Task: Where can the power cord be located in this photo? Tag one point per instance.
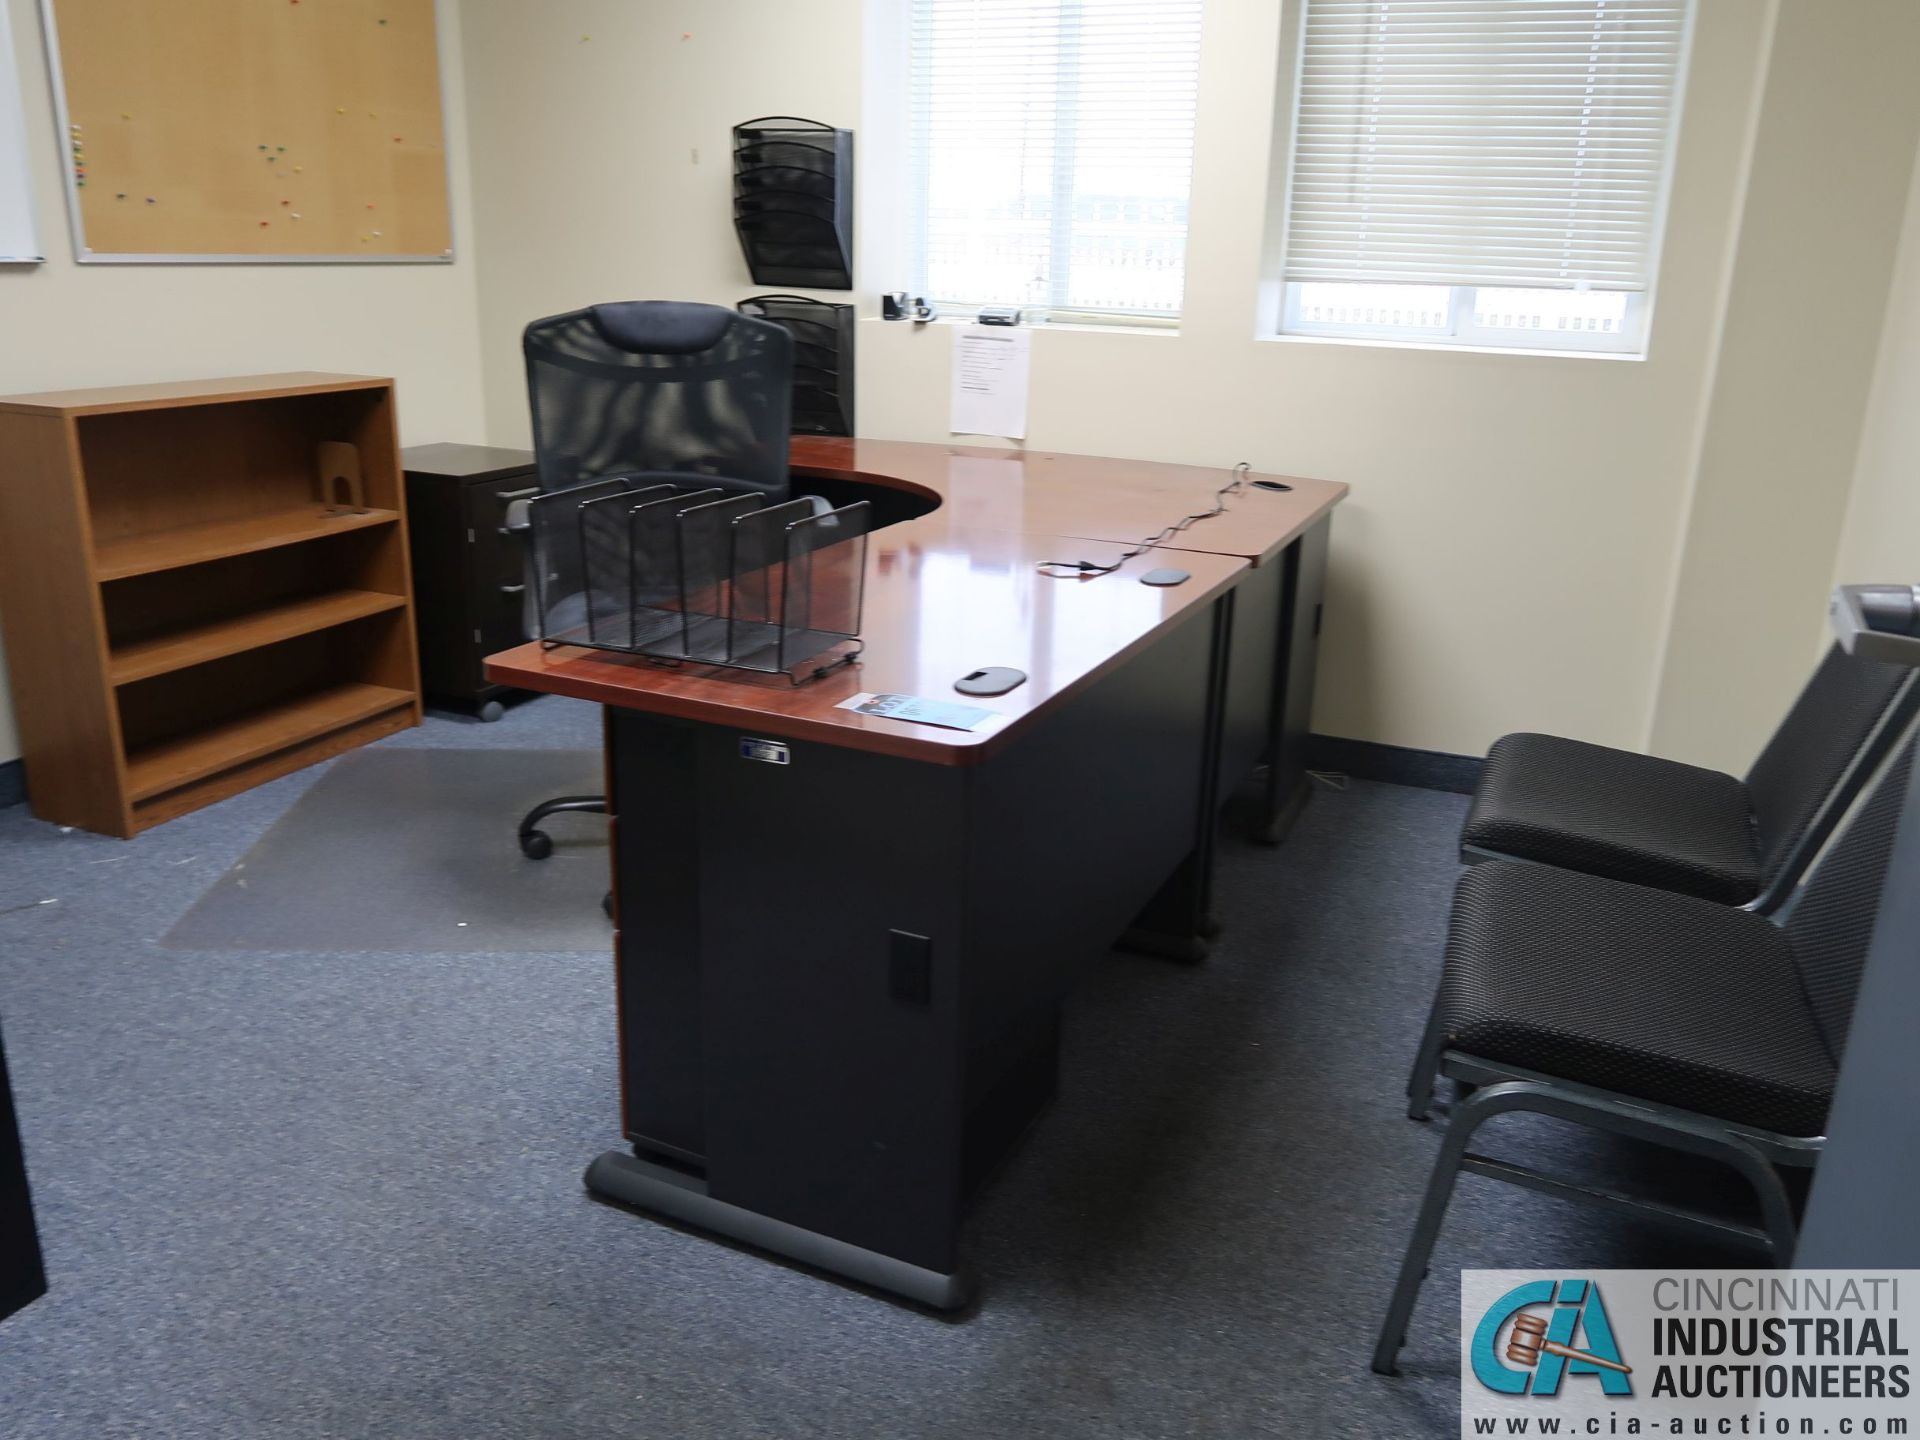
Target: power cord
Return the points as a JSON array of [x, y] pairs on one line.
[[1088, 570]]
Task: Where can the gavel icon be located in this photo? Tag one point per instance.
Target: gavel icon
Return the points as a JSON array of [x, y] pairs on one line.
[[1529, 1342]]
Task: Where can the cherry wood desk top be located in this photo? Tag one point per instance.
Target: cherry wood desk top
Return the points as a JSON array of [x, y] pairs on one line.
[[938, 606], [958, 589], [1089, 497]]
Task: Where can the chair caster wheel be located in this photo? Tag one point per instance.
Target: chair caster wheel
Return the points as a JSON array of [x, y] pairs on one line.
[[536, 845], [491, 711]]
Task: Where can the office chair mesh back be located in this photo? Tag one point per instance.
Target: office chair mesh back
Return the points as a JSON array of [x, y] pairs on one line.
[[1831, 926], [664, 387], [1808, 754]]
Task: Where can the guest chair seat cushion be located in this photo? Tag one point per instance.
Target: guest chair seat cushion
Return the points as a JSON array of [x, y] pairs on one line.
[[1635, 990], [1617, 814]]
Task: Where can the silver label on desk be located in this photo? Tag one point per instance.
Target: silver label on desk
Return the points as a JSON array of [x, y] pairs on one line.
[[772, 752]]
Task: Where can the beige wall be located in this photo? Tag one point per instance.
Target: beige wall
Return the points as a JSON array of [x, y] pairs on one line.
[[600, 132], [1833, 158], [1505, 558], [1533, 541], [1881, 539], [64, 325]]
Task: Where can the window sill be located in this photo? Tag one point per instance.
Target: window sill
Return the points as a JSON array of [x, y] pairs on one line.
[[1432, 346]]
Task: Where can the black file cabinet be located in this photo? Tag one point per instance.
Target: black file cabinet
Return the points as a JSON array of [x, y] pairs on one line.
[[469, 574]]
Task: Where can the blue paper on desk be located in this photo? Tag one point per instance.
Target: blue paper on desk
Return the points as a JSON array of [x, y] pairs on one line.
[[922, 712]]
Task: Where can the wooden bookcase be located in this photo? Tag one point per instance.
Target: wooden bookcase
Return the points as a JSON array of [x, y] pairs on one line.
[[186, 614]]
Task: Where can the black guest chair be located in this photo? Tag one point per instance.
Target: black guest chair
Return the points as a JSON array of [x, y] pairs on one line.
[[654, 389], [1665, 1017], [1679, 827]]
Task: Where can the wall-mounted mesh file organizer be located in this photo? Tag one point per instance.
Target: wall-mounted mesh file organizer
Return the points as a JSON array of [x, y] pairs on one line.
[[793, 201], [680, 573], [822, 359]]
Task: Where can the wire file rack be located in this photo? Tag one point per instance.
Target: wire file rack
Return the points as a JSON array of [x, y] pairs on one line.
[[681, 573], [793, 201], [823, 381]]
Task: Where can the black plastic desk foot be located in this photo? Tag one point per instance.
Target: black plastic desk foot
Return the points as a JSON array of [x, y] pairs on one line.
[[623, 1177], [1274, 827], [1191, 949]]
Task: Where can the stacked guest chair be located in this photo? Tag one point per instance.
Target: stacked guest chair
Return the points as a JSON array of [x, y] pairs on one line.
[[1665, 1017], [1666, 953], [1679, 827]]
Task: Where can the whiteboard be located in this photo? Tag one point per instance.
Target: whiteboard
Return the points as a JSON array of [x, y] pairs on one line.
[[16, 179]]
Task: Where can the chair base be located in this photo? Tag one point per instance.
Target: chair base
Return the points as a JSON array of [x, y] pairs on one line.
[[535, 843]]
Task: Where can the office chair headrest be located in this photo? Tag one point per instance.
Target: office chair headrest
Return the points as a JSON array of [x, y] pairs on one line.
[[662, 327]]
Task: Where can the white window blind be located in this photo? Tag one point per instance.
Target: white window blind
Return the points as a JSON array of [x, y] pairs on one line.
[[1518, 143], [1052, 151]]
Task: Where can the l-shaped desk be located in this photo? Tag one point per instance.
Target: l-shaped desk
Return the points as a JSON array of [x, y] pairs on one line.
[[840, 975]]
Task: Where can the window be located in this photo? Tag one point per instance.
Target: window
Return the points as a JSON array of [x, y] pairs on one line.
[[1481, 172], [1052, 145]]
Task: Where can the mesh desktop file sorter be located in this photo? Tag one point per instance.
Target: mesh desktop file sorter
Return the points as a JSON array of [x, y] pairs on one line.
[[682, 573]]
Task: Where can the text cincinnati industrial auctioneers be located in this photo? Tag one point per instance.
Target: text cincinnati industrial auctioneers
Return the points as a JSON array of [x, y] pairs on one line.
[[1843, 1342]]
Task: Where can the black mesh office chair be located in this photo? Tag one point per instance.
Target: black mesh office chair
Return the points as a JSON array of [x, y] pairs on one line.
[[1679, 827], [655, 388], [1665, 1017]]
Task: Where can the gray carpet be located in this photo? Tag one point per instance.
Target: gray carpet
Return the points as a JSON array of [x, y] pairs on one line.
[[326, 1193], [409, 850]]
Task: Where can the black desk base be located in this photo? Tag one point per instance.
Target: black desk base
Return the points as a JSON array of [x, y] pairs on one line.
[[23, 1278], [1267, 705], [623, 1177], [841, 978]]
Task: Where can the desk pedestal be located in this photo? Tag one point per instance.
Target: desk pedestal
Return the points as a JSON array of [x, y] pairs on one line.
[[841, 977]]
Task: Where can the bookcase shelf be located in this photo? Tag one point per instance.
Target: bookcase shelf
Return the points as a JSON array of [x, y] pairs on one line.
[[197, 544], [170, 764], [202, 586], [195, 644]]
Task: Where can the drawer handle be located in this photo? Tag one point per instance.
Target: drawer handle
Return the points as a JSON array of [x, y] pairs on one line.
[[512, 495], [513, 589]]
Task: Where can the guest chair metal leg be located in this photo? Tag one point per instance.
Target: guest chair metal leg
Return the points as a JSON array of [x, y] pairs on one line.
[[1426, 1066], [1677, 1129], [535, 843], [1468, 1116]]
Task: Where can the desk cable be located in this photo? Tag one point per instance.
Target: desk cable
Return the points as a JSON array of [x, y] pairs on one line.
[[1088, 570]]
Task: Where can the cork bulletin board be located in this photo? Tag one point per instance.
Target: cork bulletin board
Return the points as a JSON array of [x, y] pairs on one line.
[[251, 130]]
